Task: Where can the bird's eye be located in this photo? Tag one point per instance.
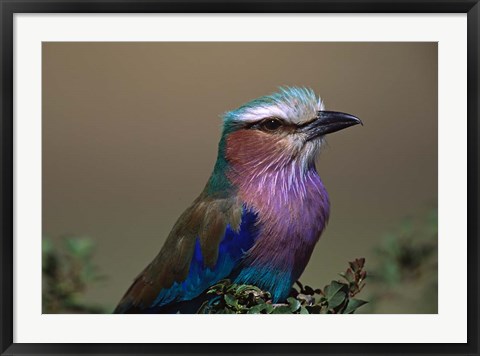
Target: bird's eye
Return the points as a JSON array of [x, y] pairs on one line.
[[271, 124]]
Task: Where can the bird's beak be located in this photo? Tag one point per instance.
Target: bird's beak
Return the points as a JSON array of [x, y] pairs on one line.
[[327, 122]]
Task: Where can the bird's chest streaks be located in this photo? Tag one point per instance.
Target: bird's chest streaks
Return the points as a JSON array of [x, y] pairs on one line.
[[291, 212]]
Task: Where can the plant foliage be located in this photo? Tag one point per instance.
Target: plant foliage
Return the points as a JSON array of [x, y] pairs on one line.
[[67, 270], [337, 297], [403, 277]]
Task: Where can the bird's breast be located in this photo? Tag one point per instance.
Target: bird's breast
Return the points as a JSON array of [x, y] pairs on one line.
[[292, 208]]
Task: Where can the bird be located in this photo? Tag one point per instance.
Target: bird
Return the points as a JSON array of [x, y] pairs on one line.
[[260, 214]]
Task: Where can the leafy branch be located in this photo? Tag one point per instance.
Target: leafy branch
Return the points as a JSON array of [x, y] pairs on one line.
[[337, 297]]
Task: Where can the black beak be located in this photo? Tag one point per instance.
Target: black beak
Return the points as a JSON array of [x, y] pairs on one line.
[[327, 122]]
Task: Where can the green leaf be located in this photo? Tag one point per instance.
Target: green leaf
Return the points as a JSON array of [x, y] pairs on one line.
[[333, 288], [230, 300], [219, 288], [257, 309], [336, 300], [353, 304], [243, 288], [231, 288], [294, 304], [303, 310]]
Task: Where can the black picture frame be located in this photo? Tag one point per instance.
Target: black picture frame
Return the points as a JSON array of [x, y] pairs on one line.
[[10, 7]]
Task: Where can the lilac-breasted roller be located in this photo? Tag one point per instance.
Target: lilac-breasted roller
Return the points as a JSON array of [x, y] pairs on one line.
[[260, 214]]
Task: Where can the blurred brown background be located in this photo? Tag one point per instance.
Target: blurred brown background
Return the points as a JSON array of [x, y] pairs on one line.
[[130, 134]]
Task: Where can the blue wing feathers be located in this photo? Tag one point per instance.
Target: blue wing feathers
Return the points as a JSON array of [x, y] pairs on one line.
[[200, 277]]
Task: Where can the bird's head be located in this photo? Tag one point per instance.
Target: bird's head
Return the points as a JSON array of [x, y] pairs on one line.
[[276, 131]]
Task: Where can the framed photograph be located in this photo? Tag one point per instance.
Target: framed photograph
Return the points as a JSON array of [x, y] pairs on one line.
[[235, 177]]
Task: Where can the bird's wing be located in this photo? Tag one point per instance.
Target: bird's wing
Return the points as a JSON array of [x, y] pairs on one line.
[[204, 246]]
